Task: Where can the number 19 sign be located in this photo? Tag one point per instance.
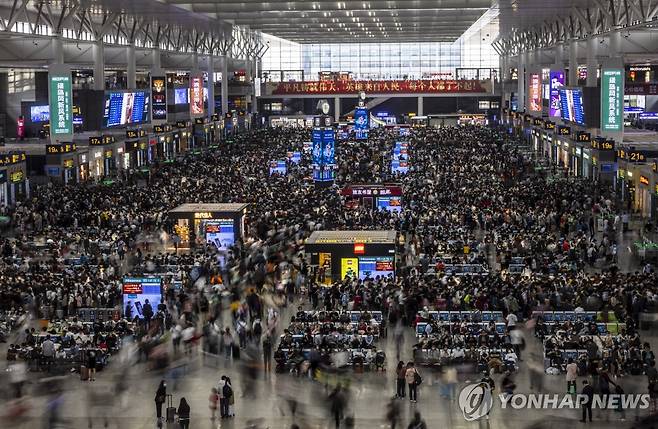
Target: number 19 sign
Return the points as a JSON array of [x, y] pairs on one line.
[[612, 99], [61, 103]]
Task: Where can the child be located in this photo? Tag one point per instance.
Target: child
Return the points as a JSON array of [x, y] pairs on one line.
[[212, 403]]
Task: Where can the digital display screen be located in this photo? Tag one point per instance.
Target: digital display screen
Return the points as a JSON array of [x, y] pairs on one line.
[[323, 174], [317, 146], [307, 146], [295, 157], [534, 94], [328, 147], [196, 95], [180, 96], [136, 291], [556, 82], [398, 166], [373, 266], [123, 108], [571, 105], [361, 123], [278, 167], [404, 131], [39, 113], [159, 94], [220, 232], [392, 204]]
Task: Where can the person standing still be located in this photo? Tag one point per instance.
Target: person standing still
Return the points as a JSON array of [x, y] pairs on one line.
[[160, 396], [183, 414], [588, 391], [400, 380], [267, 353], [572, 375], [411, 379]]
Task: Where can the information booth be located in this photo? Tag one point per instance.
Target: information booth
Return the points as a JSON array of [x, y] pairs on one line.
[[363, 254], [381, 197], [221, 224]]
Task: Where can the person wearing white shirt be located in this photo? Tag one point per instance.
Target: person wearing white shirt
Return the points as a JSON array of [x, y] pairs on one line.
[[511, 320]]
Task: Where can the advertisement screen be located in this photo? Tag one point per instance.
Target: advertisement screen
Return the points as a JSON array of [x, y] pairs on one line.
[[398, 166], [349, 267], [295, 157], [317, 146], [328, 151], [557, 82], [373, 266], [180, 96], [361, 123], [220, 232], [323, 173], [39, 113], [138, 290], [196, 96], [405, 131], [278, 167], [612, 100], [307, 146], [159, 97], [571, 105], [534, 93], [392, 204], [61, 104], [123, 108]]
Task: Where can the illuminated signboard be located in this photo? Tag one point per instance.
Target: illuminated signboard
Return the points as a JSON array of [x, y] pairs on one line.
[[379, 87], [359, 248], [61, 104], [203, 215], [602, 144], [612, 100], [68, 163], [16, 176], [95, 141], [159, 129], [534, 93], [60, 148], [196, 95], [548, 125], [556, 82], [12, 158], [582, 136], [564, 131], [200, 121], [159, 98], [181, 124], [644, 180], [132, 134]]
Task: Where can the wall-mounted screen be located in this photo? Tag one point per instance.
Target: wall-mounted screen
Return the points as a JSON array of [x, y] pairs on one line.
[[571, 105], [180, 95], [138, 290], [373, 266], [220, 232], [40, 113], [278, 167], [124, 108], [557, 82], [392, 204]]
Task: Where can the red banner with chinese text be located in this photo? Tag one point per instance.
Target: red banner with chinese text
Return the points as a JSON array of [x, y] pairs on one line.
[[379, 87]]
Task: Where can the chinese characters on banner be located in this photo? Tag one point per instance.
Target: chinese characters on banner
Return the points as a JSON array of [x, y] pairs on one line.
[[196, 95], [379, 87], [61, 104], [534, 93], [612, 100], [557, 82], [159, 98]]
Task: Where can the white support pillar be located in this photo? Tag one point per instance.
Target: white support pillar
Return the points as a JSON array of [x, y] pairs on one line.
[[211, 86], [592, 65], [156, 59], [573, 63], [615, 44], [58, 49], [420, 106], [256, 81], [336, 109], [98, 52], [131, 72], [224, 94], [520, 91]]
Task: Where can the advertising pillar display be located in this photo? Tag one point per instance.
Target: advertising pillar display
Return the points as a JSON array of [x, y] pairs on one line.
[[534, 93], [324, 158], [556, 82], [196, 95], [612, 100], [158, 96], [60, 97]]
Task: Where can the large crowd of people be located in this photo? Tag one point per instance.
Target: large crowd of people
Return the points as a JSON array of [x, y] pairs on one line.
[[470, 197]]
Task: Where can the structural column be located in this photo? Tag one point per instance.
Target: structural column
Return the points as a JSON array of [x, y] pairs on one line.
[[573, 63], [99, 65], [615, 44], [58, 49], [156, 59], [520, 73], [420, 106], [211, 86], [224, 94], [592, 65], [336, 109], [131, 73], [256, 81]]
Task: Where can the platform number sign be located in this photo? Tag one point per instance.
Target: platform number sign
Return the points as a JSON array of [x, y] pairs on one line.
[[612, 100], [61, 106]]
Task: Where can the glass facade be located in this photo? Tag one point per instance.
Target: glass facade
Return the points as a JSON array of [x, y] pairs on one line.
[[383, 60]]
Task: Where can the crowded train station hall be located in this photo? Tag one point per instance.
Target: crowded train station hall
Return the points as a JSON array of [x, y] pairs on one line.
[[311, 214]]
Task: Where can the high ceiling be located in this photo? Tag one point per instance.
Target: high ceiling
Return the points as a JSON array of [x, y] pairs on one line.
[[309, 21]]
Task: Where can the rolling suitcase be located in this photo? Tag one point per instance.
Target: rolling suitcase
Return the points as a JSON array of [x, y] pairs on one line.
[[84, 373], [171, 410]]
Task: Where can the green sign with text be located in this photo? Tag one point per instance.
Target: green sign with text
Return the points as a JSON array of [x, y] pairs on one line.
[[61, 105], [612, 100]]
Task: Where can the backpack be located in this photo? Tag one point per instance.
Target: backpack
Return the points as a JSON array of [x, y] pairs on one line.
[[417, 378]]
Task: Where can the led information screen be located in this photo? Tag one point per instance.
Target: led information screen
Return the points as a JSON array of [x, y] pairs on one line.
[[61, 104], [371, 267], [136, 291], [571, 105], [557, 82], [159, 97], [220, 232], [534, 93], [317, 146], [328, 146], [361, 123], [123, 108], [39, 114], [612, 100], [278, 167], [196, 96]]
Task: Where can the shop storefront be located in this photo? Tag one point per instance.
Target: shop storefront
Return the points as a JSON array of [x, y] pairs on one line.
[[202, 133], [132, 156], [220, 224], [183, 136], [587, 163], [17, 184], [357, 254], [62, 162], [101, 156], [162, 143], [83, 164], [380, 197]]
